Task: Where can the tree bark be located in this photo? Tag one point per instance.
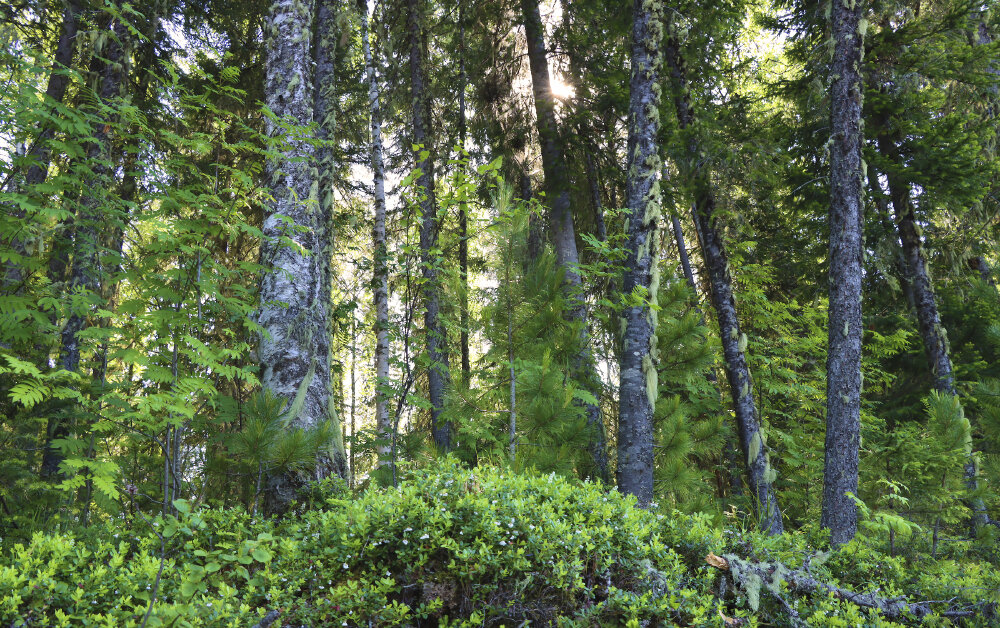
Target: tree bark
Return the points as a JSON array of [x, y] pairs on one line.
[[843, 366], [438, 376], [752, 444], [638, 388], [800, 581], [380, 277], [561, 222], [294, 349]]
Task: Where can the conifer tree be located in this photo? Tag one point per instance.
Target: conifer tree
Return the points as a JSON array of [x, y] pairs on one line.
[[295, 309], [639, 389], [843, 389], [438, 376], [760, 474], [560, 218]]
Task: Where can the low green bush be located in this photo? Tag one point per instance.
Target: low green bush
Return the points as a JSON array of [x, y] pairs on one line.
[[453, 547]]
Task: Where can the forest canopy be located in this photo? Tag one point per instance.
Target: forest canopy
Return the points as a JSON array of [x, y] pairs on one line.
[[562, 312]]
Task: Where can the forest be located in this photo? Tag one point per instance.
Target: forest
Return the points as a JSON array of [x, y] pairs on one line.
[[499, 313]]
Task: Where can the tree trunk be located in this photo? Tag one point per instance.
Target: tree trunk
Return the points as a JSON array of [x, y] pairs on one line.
[[639, 387], [561, 221], [39, 153], [380, 278], [463, 208], [932, 332], [438, 376], [843, 366], [294, 349], [107, 69], [754, 448]]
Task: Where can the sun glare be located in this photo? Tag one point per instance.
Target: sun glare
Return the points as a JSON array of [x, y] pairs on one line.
[[561, 90]]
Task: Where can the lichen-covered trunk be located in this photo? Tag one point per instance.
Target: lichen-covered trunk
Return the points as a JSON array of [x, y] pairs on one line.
[[561, 222], [107, 69], [843, 365], [380, 275], [40, 151], [294, 350], [638, 387], [753, 446], [438, 376]]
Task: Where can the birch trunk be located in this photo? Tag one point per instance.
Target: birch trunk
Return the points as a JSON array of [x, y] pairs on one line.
[[381, 268], [638, 387], [438, 376], [843, 366], [294, 349], [561, 221], [760, 475]]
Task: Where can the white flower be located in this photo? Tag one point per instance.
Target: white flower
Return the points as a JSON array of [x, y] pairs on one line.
[[510, 525], [405, 542], [503, 542], [408, 530], [321, 586], [425, 537], [345, 566]]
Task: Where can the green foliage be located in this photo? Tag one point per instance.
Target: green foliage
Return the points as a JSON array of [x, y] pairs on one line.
[[530, 302], [688, 417], [448, 547]]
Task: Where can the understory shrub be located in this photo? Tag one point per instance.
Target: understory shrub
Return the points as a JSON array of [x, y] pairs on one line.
[[454, 547]]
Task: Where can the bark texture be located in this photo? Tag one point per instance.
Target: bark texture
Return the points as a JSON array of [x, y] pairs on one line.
[[748, 574], [561, 220], [438, 376], [380, 278], [639, 386], [843, 366], [760, 475], [294, 351]]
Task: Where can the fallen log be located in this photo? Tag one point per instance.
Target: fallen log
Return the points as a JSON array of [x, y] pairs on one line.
[[752, 576], [268, 619]]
